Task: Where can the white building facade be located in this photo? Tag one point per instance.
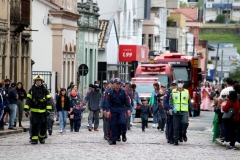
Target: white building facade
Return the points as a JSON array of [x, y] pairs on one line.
[[54, 44]]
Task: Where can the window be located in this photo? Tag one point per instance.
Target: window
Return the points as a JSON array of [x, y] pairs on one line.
[[182, 73], [148, 88], [214, 58], [150, 36], [143, 39]]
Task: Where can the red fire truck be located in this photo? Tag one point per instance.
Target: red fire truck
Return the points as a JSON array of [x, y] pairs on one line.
[[185, 68]]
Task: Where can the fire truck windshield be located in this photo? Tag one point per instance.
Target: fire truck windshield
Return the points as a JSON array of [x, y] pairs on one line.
[[144, 88], [162, 78], [181, 73]]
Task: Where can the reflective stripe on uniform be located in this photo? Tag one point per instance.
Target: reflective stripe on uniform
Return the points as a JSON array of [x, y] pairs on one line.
[[38, 110], [48, 96], [42, 100], [41, 136], [29, 96], [34, 137], [49, 107], [26, 107]]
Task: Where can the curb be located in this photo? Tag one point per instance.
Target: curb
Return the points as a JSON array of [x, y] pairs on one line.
[[218, 141], [26, 128]]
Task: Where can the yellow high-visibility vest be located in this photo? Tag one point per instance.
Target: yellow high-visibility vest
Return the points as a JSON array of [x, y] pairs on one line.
[[180, 99]]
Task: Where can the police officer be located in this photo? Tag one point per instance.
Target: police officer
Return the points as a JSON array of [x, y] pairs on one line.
[[118, 103], [169, 126], [39, 103], [179, 105]]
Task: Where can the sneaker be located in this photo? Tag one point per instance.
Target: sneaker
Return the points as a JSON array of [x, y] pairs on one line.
[[61, 131], [237, 144], [133, 124], [162, 130], [154, 125], [224, 143], [230, 148]]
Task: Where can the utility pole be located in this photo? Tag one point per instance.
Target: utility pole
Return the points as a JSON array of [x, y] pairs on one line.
[[220, 79], [216, 59], [193, 46]]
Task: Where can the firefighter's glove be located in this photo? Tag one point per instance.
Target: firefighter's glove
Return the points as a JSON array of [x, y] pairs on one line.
[[26, 113], [174, 110], [192, 113]]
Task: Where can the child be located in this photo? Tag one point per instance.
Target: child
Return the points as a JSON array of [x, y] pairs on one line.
[[77, 112], [145, 111], [161, 115]]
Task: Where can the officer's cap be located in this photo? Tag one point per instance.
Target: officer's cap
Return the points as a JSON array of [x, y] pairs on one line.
[[111, 80], [180, 80], [13, 84], [163, 86], [123, 85], [117, 80], [174, 82], [77, 102]]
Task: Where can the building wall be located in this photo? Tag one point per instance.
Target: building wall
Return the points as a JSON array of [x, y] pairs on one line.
[[42, 39], [180, 19]]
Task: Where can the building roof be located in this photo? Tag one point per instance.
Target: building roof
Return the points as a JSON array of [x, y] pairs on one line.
[[103, 26], [190, 13]]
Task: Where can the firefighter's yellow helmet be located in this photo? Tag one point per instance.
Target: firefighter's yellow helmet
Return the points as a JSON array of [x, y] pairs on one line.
[[38, 77]]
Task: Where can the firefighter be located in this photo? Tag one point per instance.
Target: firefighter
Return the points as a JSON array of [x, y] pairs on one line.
[[38, 102], [118, 103], [179, 104]]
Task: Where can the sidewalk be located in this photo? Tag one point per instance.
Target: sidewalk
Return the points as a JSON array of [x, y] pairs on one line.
[[26, 125]]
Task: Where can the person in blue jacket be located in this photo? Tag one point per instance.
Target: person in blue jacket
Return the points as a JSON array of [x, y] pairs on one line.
[[118, 104]]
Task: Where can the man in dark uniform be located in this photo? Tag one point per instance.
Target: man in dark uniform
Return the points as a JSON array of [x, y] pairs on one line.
[[169, 126], [118, 104], [39, 103]]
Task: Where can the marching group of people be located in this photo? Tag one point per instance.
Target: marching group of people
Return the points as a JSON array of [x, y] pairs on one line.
[[117, 101]]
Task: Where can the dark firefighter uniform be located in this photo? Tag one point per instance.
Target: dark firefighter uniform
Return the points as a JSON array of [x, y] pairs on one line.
[[39, 103], [117, 101]]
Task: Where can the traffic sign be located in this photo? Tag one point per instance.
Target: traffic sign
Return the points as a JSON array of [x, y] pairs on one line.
[[83, 70]]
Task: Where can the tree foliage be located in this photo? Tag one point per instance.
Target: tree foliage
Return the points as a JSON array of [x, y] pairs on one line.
[[220, 18], [200, 4], [170, 22], [183, 4], [235, 74]]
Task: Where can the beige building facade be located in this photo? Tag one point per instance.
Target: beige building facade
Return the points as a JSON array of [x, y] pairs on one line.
[[15, 42]]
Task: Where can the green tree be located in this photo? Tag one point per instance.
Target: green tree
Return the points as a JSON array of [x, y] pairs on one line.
[[220, 18], [235, 74], [170, 22], [200, 4], [183, 4]]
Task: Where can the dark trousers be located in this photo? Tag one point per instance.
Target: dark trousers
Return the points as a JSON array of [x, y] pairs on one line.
[[169, 128], [179, 118], [231, 127], [38, 125], [118, 121], [144, 123], [50, 122], [161, 122], [6, 110], [77, 125], [105, 126], [225, 132], [71, 123]]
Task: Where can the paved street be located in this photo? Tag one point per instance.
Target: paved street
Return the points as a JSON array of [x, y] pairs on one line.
[[140, 145]]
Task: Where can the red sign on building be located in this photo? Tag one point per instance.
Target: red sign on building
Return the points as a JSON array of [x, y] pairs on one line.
[[129, 53]]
